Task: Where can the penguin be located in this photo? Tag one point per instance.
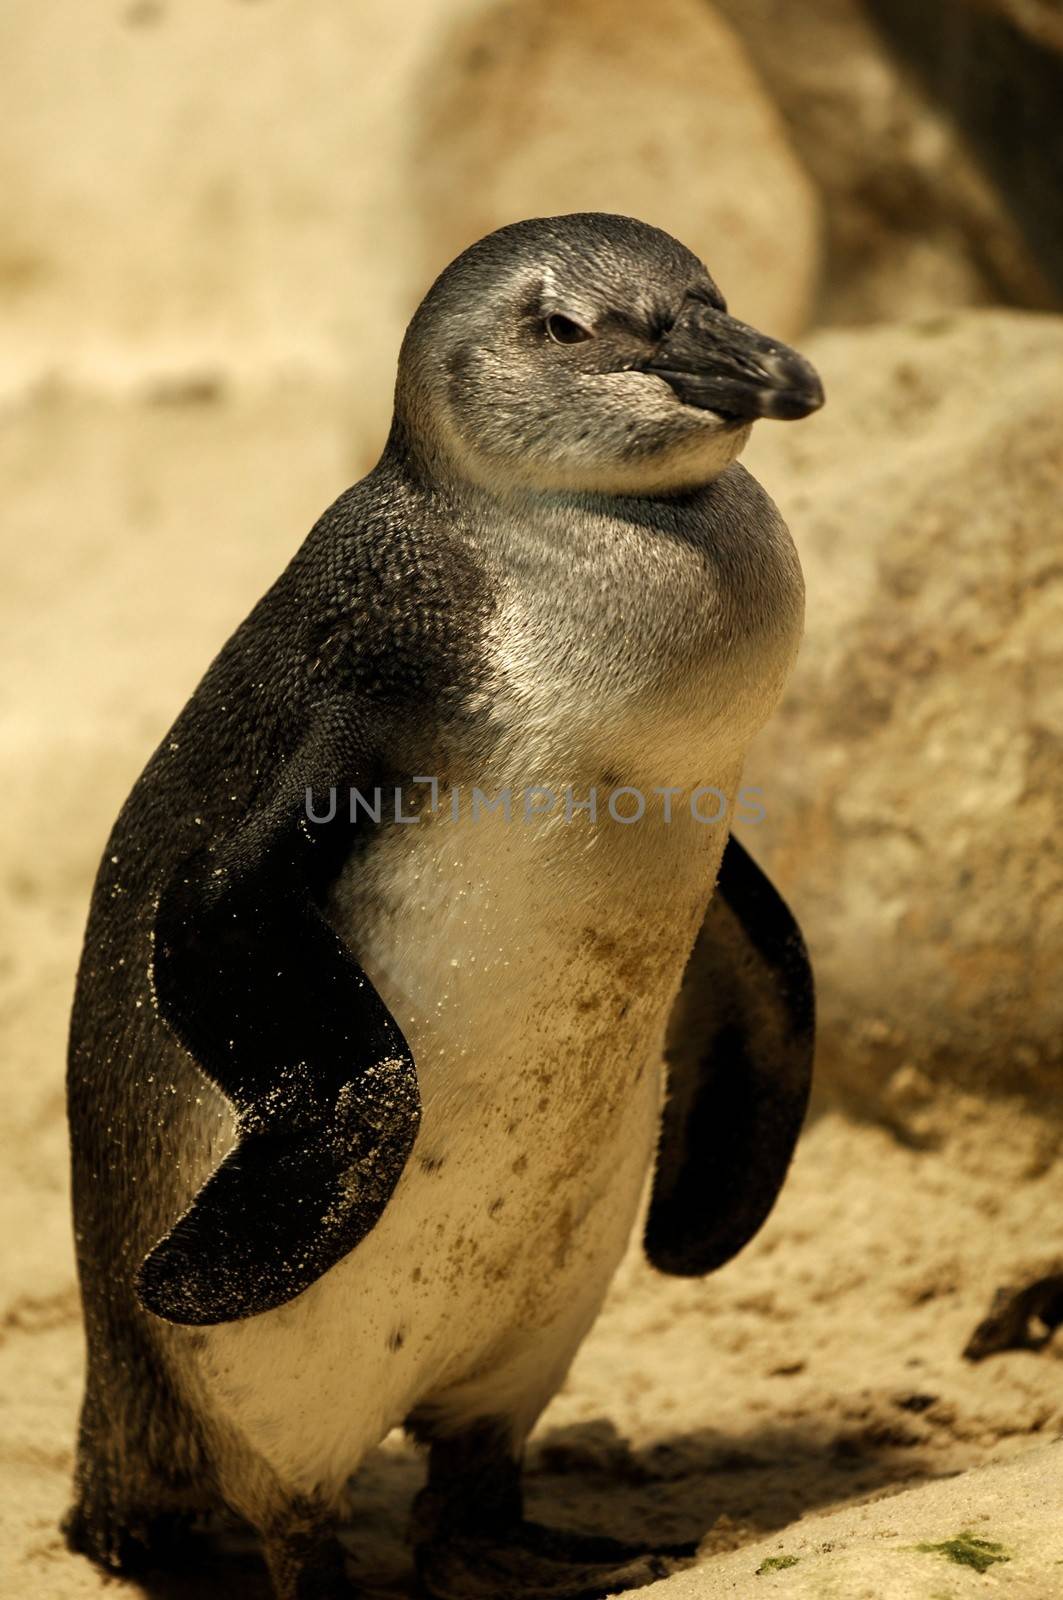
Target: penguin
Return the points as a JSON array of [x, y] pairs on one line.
[[364, 1096]]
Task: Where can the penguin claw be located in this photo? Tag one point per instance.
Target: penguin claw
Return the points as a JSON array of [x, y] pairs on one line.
[[125, 1543], [565, 1544], [533, 1562]]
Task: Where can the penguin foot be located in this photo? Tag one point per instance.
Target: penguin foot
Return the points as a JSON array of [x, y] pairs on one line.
[[1019, 1319], [124, 1542], [306, 1565], [472, 1542], [532, 1562]]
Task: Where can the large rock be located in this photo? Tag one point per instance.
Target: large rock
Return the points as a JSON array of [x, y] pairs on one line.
[[913, 775], [549, 106], [994, 1526], [1042, 20], [998, 84], [204, 187], [913, 222]]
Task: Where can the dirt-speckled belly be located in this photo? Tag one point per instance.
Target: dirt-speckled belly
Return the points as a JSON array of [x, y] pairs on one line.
[[531, 968]]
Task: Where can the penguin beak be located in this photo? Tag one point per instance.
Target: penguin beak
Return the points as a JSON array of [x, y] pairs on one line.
[[719, 364]]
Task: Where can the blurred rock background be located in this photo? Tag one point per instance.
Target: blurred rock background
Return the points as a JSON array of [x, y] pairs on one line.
[[214, 224]]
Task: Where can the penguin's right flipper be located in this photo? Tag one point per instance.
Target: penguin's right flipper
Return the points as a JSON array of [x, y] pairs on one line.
[[274, 1008], [739, 1051]]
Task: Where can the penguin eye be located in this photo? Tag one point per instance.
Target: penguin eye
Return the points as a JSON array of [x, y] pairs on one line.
[[563, 330]]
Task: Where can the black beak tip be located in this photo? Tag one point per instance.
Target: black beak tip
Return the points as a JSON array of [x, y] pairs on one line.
[[788, 405], [795, 392]]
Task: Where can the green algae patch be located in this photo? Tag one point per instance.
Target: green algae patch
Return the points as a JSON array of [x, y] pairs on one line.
[[967, 1551], [777, 1564]]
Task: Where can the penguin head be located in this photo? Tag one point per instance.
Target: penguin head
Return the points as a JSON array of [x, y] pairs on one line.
[[591, 353]]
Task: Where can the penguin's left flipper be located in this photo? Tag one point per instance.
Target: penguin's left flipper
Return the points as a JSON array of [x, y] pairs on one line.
[[273, 1007], [739, 1059]]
